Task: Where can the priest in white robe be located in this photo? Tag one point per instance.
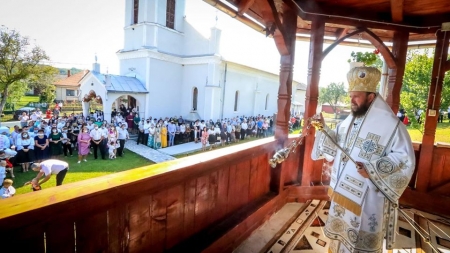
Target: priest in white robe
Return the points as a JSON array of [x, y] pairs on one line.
[[364, 195]]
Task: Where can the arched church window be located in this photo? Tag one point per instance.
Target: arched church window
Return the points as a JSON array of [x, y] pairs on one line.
[[267, 102], [135, 11], [194, 99], [236, 98], [170, 14]]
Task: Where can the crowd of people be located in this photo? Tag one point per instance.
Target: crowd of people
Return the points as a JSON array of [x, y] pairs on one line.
[[161, 133], [42, 136]]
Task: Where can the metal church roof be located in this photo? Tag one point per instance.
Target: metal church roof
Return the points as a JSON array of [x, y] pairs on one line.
[[123, 84]]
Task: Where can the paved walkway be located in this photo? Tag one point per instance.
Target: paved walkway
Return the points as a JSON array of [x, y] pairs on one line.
[[151, 154], [162, 154]]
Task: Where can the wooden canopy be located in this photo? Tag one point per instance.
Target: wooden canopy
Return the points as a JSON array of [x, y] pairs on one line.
[[391, 26], [420, 18]]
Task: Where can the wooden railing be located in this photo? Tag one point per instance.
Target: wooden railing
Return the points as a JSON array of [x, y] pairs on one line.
[[208, 202], [436, 198], [149, 209]]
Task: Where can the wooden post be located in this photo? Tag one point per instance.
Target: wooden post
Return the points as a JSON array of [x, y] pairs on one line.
[[286, 46], [312, 93], [395, 75], [286, 73], [434, 102]]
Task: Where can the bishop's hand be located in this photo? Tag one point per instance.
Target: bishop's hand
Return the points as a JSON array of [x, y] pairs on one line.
[[362, 169]]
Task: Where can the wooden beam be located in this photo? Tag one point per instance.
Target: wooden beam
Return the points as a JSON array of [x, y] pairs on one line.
[[341, 32], [433, 104], [397, 10], [395, 74], [280, 26], [338, 41], [384, 50], [244, 5], [312, 95], [359, 18]]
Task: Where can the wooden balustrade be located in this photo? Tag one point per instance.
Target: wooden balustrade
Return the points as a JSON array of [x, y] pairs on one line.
[[208, 202], [148, 209]]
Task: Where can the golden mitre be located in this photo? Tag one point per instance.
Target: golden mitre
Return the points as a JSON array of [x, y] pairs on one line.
[[363, 79]]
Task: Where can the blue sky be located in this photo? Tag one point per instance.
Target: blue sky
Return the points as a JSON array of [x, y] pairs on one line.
[[72, 32]]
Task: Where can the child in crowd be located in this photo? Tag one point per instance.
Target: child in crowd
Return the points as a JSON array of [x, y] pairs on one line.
[[7, 190], [111, 150], [8, 167], [34, 184], [2, 170]]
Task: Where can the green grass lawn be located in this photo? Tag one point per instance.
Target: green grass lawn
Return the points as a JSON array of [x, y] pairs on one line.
[[24, 100], [77, 172]]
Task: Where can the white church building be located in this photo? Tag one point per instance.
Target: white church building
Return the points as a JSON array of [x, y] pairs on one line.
[[168, 69]]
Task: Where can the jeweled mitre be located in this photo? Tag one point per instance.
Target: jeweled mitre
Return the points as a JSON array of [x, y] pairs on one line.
[[363, 79]]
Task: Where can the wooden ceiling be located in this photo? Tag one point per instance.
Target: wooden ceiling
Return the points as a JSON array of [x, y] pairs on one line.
[[421, 18]]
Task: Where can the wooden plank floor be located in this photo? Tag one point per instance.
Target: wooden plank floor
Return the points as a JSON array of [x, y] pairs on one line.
[[302, 232]]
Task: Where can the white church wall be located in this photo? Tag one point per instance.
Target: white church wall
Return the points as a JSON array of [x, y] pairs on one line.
[[193, 76], [194, 42], [253, 86], [137, 65], [165, 80], [169, 41]]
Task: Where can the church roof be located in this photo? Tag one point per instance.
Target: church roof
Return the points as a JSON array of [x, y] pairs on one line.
[[73, 80], [122, 83]]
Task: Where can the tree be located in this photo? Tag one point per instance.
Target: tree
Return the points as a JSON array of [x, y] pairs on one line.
[[333, 94], [19, 63], [416, 84]]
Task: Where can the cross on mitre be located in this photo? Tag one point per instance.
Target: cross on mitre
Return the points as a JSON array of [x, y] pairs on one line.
[[369, 146]]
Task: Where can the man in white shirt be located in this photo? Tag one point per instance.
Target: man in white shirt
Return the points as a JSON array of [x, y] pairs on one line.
[[33, 116], [146, 128], [90, 125], [123, 135], [49, 168], [96, 141]]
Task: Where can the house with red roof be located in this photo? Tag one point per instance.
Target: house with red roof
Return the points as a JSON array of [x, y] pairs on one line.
[[68, 88]]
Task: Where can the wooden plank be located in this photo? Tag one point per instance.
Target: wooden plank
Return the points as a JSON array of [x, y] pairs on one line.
[[244, 5], [139, 225], [60, 236], [189, 208], [305, 193], [201, 203], [175, 215], [264, 170], [255, 183], [158, 221], [397, 10], [426, 202], [91, 233], [243, 182], [118, 229], [250, 218], [213, 197], [232, 190], [222, 191]]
